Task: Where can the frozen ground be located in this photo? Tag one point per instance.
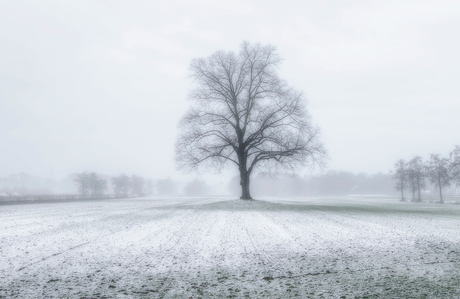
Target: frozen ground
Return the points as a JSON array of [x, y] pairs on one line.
[[350, 247]]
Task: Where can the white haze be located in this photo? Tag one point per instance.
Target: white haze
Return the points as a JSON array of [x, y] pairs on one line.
[[101, 85]]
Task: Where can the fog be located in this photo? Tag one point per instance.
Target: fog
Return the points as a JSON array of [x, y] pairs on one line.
[[101, 85]]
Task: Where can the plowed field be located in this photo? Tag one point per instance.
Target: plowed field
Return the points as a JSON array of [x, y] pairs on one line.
[[350, 247]]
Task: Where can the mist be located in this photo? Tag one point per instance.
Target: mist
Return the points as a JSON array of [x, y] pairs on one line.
[[101, 86], [243, 149]]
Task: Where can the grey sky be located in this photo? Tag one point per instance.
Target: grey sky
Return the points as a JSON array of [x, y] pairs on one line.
[[101, 85]]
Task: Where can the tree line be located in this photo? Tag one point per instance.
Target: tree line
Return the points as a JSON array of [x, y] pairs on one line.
[[90, 185], [440, 171]]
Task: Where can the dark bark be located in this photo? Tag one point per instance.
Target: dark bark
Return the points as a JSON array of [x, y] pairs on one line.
[[244, 182], [439, 171], [402, 190], [244, 173]]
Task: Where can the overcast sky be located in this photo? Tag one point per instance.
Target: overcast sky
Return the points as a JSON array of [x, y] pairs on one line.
[[101, 85]]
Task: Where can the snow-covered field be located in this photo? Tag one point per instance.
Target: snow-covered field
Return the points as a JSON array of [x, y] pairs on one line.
[[219, 247]]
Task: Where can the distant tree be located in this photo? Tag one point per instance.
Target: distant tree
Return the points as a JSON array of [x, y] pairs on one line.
[[121, 185], [401, 177], [97, 185], [92, 182], [90, 185], [438, 173], [138, 185], [101, 187], [454, 166], [417, 175], [244, 114], [83, 184], [412, 184]]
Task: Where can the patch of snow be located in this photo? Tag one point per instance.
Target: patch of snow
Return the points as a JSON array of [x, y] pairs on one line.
[[217, 246]]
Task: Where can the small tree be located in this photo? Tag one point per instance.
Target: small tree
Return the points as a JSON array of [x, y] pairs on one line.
[[97, 185], [416, 174], [90, 185], [438, 173], [121, 185], [83, 182], [401, 177], [101, 187], [412, 185], [454, 167]]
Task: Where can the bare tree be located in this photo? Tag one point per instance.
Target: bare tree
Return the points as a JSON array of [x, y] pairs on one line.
[[121, 185], [83, 183], [417, 174], [438, 173], [97, 185], [243, 113], [401, 177], [454, 166], [90, 185]]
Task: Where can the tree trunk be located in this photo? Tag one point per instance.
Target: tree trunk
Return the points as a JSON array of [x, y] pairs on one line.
[[418, 189], [244, 182], [440, 189], [402, 191]]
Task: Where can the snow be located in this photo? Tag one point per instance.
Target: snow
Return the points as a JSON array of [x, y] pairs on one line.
[[209, 246]]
